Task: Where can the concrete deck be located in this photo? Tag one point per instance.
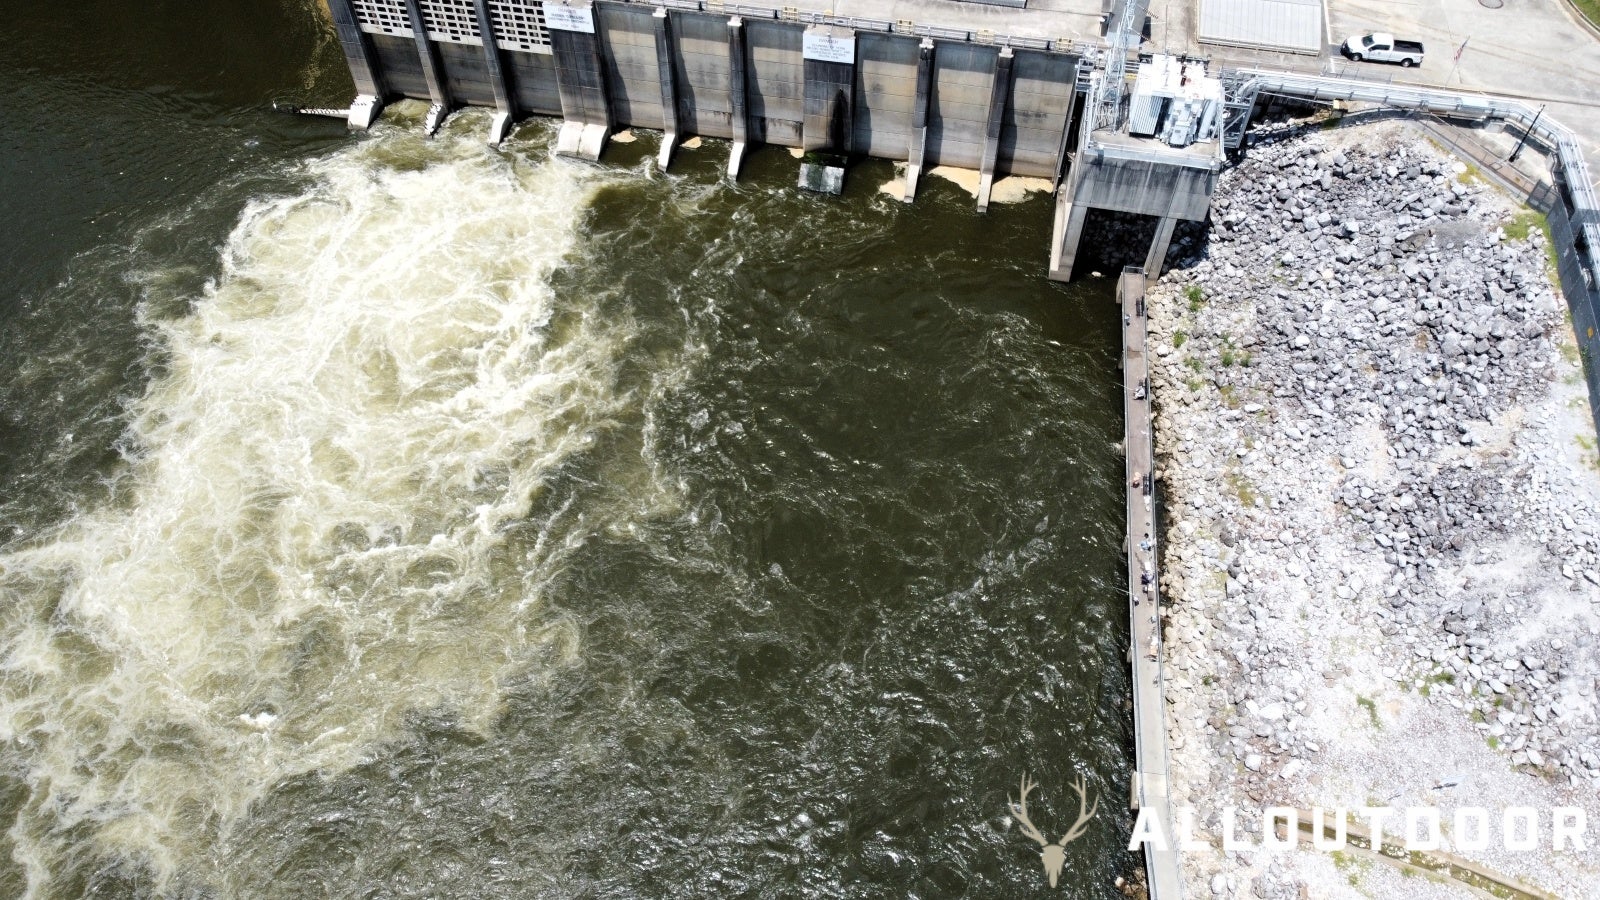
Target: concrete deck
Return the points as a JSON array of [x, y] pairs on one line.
[[1144, 591], [1072, 20]]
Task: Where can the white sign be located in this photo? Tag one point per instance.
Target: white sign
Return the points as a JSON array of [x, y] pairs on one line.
[[569, 18], [827, 48]]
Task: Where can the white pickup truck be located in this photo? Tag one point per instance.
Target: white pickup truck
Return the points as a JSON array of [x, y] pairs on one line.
[[1381, 47]]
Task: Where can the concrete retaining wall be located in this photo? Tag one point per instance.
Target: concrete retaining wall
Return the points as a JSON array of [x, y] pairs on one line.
[[776, 89], [533, 83], [962, 74], [628, 49]]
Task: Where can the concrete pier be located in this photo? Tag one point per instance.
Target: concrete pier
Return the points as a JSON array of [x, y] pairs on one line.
[[919, 118], [998, 92], [505, 110], [1159, 246], [1146, 651], [738, 95], [1126, 174], [362, 59], [1067, 233], [432, 68], [662, 25], [580, 79]]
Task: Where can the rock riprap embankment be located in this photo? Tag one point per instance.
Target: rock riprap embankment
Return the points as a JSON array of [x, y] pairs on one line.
[[1384, 511]]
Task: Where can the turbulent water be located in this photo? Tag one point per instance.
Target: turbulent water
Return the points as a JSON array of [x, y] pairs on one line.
[[395, 517]]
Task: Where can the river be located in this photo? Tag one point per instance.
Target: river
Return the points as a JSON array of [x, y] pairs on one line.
[[393, 517]]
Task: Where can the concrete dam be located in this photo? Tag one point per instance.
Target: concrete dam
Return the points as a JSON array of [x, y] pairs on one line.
[[830, 86], [1110, 127]]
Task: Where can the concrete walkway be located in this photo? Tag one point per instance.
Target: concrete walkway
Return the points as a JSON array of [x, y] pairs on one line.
[[1145, 651]]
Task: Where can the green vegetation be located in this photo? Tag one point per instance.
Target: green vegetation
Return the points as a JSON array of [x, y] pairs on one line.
[[1195, 363], [1178, 337], [1494, 742], [1589, 8], [1440, 677], [1349, 865], [1590, 452], [1371, 708], [1197, 297], [1242, 488], [1523, 223]]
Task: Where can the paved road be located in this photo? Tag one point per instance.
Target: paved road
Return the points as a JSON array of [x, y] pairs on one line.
[[1532, 50]]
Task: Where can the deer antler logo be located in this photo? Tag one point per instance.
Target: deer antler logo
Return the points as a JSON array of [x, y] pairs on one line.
[[1053, 855]]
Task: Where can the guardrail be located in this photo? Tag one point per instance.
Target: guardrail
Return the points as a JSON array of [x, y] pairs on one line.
[[878, 26]]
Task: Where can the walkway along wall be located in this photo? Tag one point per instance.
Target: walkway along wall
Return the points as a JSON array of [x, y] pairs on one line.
[[745, 74]]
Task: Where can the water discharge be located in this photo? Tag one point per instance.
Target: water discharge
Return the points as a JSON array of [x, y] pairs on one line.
[[487, 525], [341, 507]]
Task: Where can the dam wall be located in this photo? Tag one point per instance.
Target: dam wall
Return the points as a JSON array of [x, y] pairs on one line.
[[894, 90]]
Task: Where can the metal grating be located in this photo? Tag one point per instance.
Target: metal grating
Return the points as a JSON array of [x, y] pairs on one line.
[[383, 17], [452, 21], [519, 25]]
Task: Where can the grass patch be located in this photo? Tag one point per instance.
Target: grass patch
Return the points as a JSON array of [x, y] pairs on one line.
[[1197, 297], [1589, 8], [1349, 865], [1195, 363], [1494, 742], [1242, 488], [1471, 175], [1523, 224], [1195, 384], [1371, 708], [1569, 352], [1230, 397], [1178, 339], [1591, 453]]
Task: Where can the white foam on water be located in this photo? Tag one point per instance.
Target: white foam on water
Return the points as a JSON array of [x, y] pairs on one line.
[[309, 544]]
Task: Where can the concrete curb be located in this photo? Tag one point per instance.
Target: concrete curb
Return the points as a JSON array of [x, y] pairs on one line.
[[1583, 21], [1441, 862]]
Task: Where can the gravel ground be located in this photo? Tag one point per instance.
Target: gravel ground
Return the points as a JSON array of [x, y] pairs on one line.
[[1384, 512]]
